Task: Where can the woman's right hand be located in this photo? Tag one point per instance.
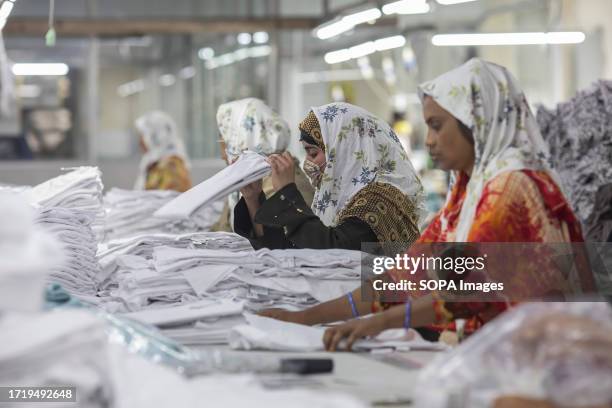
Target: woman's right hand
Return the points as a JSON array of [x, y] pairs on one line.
[[252, 191], [284, 315]]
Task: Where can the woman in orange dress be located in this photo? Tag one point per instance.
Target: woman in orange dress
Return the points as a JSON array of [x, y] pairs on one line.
[[164, 164], [480, 128]]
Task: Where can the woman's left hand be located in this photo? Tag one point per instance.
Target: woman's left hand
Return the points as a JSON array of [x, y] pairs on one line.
[[283, 170], [352, 331]]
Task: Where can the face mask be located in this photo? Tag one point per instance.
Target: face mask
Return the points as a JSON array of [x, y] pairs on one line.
[[313, 172]]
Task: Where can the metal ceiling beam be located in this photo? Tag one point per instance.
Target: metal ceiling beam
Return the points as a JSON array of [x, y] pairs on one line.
[[135, 27]]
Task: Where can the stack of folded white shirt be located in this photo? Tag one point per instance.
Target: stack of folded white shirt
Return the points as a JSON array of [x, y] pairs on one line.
[[248, 168], [143, 245], [79, 189], [292, 279], [130, 212], [80, 267]]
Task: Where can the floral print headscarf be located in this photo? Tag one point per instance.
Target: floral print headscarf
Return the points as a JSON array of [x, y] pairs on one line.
[[486, 98], [363, 154], [249, 124]]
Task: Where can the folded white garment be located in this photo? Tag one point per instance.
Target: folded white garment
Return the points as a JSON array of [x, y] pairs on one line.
[[248, 168], [187, 313], [263, 333], [79, 189], [130, 212]]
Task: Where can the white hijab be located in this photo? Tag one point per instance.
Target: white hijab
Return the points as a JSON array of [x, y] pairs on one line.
[[486, 98], [250, 124], [359, 149], [160, 136]]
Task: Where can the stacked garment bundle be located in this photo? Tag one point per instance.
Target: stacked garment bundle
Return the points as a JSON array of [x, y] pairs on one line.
[[173, 278], [579, 133], [73, 230], [130, 212], [79, 189], [127, 263]]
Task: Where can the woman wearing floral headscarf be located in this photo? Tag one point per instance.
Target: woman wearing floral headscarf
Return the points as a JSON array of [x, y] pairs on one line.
[[250, 124], [366, 188], [482, 130], [164, 165]]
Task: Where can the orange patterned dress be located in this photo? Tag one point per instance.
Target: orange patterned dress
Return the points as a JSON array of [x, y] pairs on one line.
[[516, 206], [169, 173]]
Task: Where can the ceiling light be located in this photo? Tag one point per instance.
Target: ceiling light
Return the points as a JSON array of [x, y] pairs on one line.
[[260, 51], [363, 16], [335, 57], [187, 72], [508, 39], [362, 50], [42, 69], [390, 42], [407, 7], [334, 29], [347, 23], [261, 37], [5, 9], [206, 53], [244, 38], [167, 80], [131, 88], [450, 2]]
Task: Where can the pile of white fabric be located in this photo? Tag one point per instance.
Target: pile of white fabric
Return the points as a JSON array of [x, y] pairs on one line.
[[130, 212], [73, 230], [142, 245], [79, 189], [172, 278]]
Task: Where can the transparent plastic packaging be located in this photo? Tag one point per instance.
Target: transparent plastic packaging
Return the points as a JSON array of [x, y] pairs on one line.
[[560, 353]]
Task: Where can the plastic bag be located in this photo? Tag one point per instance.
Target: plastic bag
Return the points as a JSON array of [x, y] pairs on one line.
[[557, 352]]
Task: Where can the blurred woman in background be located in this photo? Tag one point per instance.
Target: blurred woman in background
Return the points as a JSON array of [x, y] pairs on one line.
[[164, 164]]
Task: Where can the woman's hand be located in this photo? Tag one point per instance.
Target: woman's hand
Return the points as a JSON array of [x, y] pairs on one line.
[[284, 315], [251, 192], [352, 331], [283, 170]]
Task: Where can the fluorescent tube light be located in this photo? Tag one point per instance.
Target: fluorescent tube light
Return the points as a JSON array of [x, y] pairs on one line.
[[362, 50], [390, 42], [508, 39], [363, 16], [40, 69], [406, 7], [335, 57], [451, 2]]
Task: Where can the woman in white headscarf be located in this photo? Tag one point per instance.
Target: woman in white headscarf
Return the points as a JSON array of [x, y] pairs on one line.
[[366, 188], [164, 164], [250, 124], [480, 128]]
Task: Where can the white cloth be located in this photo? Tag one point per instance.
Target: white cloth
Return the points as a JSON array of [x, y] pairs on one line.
[[72, 228], [160, 136], [130, 212], [486, 98], [249, 168], [189, 312], [79, 189], [359, 149], [263, 333]]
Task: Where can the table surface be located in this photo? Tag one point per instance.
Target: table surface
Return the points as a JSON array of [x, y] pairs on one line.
[[379, 379]]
